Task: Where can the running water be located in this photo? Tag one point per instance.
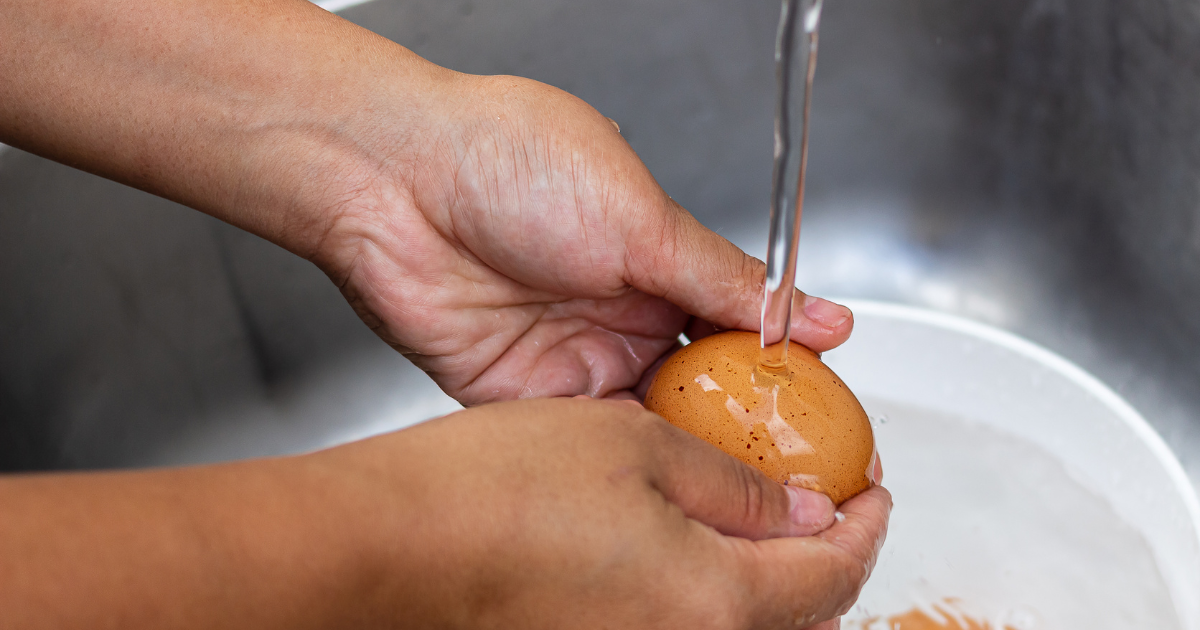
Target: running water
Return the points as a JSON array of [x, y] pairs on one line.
[[795, 63]]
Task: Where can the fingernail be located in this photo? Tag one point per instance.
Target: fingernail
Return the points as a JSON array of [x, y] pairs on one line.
[[826, 313], [809, 512]]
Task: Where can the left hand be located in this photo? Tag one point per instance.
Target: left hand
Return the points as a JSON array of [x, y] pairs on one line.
[[498, 231], [521, 249]]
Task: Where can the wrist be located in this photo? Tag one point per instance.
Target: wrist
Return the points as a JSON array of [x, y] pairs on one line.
[[372, 505], [296, 544], [268, 115], [383, 150], [338, 147]]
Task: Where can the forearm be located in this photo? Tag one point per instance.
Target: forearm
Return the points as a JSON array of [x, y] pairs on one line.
[[228, 546], [259, 112]]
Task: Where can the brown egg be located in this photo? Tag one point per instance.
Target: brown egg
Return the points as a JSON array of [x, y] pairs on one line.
[[800, 425]]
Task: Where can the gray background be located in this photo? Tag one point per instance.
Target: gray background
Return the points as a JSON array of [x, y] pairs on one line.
[[1031, 164]]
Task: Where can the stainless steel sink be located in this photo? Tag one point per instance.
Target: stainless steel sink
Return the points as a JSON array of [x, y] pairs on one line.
[[1031, 164]]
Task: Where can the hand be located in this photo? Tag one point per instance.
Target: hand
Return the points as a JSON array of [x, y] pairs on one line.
[[533, 514], [498, 231], [502, 234], [594, 514], [517, 247]]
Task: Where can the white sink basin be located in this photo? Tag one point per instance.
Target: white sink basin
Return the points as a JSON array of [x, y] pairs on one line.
[[1025, 489]]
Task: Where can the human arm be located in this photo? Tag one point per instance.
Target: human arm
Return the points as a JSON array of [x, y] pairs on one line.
[[343, 148], [535, 514], [497, 231]]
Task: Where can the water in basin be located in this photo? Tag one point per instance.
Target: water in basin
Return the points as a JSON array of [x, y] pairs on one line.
[[1002, 530]]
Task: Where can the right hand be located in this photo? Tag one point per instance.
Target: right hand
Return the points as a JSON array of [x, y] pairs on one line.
[[537, 514], [593, 514]]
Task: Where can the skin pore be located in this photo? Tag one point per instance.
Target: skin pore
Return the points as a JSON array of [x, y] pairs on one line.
[[502, 235]]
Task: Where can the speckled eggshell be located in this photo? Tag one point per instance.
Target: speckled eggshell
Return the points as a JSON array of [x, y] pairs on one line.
[[800, 426]]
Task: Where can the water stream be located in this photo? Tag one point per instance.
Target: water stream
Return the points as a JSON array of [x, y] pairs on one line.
[[795, 65]]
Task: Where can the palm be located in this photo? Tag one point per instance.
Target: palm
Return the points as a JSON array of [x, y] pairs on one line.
[[534, 255]]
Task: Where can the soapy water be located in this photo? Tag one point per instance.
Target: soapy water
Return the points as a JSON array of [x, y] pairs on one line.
[[992, 530]]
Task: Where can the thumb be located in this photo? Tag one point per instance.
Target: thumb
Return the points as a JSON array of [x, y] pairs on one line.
[[696, 269], [829, 569], [733, 498]]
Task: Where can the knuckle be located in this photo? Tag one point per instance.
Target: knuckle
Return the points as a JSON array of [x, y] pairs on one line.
[[714, 605], [648, 426], [647, 430], [757, 501], [756, 271], [753, 497]]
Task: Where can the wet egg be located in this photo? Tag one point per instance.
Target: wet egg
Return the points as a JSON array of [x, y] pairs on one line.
[[799, 425]]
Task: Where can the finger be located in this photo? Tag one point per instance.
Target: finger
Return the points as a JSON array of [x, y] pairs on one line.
[[791, 574], [643, 385], [864, 526], [695, 330], [625, 397], [832, 624], [698, 329], [731, 497], [709, 277]]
